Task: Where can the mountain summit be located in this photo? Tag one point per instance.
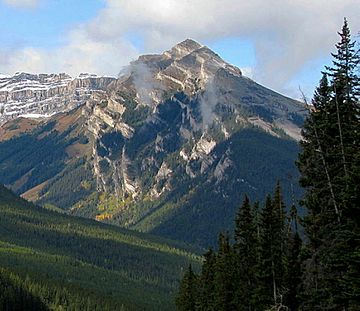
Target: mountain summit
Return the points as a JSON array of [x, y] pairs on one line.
[[183, 48], [187, 66], [175, 140]]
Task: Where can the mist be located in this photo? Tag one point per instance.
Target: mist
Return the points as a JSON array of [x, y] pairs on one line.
[[145, 84], [208, 101]]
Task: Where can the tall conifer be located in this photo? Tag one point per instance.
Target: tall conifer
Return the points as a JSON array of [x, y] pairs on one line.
[[246, 246], [207, 283], [186, 299], [329, 168], [225, 273]]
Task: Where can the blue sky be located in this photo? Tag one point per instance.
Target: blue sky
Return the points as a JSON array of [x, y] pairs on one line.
[[282, 44], [45, 25]]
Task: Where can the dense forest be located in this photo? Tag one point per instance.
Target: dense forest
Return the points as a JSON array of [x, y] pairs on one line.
[[53, 261], [276, 260]]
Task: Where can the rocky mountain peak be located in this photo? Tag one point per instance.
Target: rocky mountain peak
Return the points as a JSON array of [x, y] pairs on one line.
[[188, 66], [183, 48]]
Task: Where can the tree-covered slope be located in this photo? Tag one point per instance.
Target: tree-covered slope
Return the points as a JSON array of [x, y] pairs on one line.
[[258, 161], [14, 296], [74, 262]]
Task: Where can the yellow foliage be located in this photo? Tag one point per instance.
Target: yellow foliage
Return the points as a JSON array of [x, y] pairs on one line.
[[103, 217]]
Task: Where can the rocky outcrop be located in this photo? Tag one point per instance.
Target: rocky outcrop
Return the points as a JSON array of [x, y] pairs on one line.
[[190, 81], [29, 95], [162, 182]]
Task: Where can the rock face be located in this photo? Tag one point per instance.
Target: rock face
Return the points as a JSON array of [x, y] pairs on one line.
[[187, 98], [188, 67], [176, 138], [43, 95]]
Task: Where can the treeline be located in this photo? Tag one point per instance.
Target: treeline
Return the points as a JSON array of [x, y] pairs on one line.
[[257, 268], [268, 266]]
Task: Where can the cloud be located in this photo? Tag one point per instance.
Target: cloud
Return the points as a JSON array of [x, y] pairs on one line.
[[287, 34], [145, 84], [80, 54], [22, 3], [208, 101]]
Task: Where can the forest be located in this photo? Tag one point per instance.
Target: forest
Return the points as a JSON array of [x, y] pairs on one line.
[[277, 260], [54, 261]]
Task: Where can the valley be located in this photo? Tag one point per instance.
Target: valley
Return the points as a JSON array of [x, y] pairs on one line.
[[73, 262]]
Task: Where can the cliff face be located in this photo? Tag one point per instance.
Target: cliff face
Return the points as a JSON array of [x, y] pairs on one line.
[[44, 95]]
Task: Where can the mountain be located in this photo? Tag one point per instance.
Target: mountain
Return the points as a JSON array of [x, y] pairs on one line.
[[170, 147], [70, 263], [43, 95]]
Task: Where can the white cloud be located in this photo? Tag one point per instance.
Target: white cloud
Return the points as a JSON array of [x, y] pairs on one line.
[[22, 3], [287, 34], [80, 54]]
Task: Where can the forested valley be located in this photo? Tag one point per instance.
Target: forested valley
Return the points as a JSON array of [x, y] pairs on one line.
[[52, 261]]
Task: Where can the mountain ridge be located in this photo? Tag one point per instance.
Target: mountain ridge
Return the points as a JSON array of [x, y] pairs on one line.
[[164, 135], [43, 95]]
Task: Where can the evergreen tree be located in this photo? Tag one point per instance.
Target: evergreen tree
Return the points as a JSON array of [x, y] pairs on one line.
[[329, 167], [186, 299], [272, 258], [293, 276], [266, 290], [345, 87], [246, 245], [280, 238], [14, 296], [260, 271], [225, 273], [207, 283]]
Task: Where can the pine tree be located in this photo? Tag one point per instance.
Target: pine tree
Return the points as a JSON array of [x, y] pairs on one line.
[[293, 275], [280, 239], [186, 299], [329, 167], [207, 282], [317, 178], [224, 276], [246, 245], [345, 87], [272, 257], [266, 290]]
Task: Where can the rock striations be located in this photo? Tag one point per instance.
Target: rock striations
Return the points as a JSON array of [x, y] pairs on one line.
[[43, 95]]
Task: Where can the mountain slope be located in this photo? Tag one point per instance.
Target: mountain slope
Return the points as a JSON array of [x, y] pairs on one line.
[[70, 258], [177, 137]]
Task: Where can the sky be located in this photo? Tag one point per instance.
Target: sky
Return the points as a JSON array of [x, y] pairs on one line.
[[282, 44]]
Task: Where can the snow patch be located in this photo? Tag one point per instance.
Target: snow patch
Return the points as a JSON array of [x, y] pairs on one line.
[[35, 115]]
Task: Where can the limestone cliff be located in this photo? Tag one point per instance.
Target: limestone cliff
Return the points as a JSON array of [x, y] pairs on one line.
[[43, 95]]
